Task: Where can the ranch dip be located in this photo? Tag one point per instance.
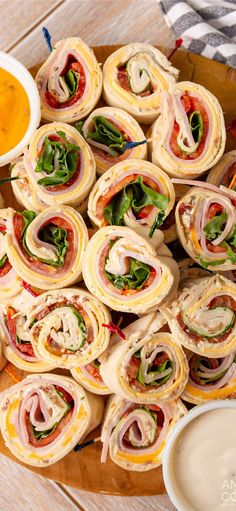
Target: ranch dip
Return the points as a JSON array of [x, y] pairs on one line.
[[203, 462]]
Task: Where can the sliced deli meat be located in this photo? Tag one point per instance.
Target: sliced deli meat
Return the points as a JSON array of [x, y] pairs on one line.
[[135, 435], [134, 77], [89, 376], [134, 193], [45, 416], [47, 250], [202, 318], [206, 227], [69, 81], [189, 136], [16, 336], [9, 280], [210, 378], [107, 130], [148, 366], [67, 329], [58, 168], [224, 172], [123, 270]]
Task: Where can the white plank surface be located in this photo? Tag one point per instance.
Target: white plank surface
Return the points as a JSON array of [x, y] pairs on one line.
[[92, 502], [21, 490], [98, 22]]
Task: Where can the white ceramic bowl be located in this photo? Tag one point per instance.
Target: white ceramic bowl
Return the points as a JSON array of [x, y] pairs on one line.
[[167, 462], [17, 69]]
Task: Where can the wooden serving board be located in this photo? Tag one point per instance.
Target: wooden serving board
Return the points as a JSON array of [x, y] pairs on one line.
[[83, 469]]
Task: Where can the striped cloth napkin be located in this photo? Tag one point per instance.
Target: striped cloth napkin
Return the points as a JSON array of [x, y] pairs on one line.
[[207, 27]]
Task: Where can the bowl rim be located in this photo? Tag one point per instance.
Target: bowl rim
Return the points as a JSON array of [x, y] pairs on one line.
[[170, 444], [19, 71]]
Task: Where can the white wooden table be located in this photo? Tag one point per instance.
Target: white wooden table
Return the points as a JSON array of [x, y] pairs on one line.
[[98, 22]]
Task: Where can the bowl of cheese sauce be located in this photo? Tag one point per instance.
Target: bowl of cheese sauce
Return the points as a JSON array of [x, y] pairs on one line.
[[199, 463], [19, 108]]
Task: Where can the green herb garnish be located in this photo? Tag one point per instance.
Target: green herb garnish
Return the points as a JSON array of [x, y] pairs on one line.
[[59, 160], [196, 125], [135, 279], [215, 226], [107, 134]]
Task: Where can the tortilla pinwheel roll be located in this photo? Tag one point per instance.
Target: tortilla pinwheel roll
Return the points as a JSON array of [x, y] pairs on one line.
[[134, 77], [224, 173], [190, 271], [46, 250], [202, 318], [148, 366], [135, 434], [9, 280], [90, 378], [66, 326], [134, 193], [189, 136], [57, 169], [69, 81], [210, 378], [107, 130], [123, 270], [206, 226], [16, 336], [45, 416]]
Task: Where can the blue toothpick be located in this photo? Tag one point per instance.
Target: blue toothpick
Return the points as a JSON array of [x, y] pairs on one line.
[[130, 145], [47, 36], [79, 447]]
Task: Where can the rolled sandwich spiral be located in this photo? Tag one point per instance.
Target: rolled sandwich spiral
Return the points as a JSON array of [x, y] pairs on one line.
[[206, 226], [16, 335], [189, 136], [122, 270], [45, 416], [224, 172], [9, 280], [58, 168], [133, 78], [210, 378], [148, 366], [202, 318], [107, 130], [69, 81], [134, 193], [47, 250], [135, 434], [89, 376], [66, 327]]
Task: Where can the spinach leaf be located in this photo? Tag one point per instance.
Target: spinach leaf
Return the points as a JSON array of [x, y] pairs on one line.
[[159, 219], [3, 260], [51, 234], [79, 127], [167, 364], [135, 195], [196, 125], [230, 253], [135, 279], [205, 264], [81, 325], [56, 236], [105, 133], [59, 160], [8, 179], [215, 226], [71, 80], [232, 239]]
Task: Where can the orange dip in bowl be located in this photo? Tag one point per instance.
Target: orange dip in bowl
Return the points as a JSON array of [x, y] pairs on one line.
[[14, 111]]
